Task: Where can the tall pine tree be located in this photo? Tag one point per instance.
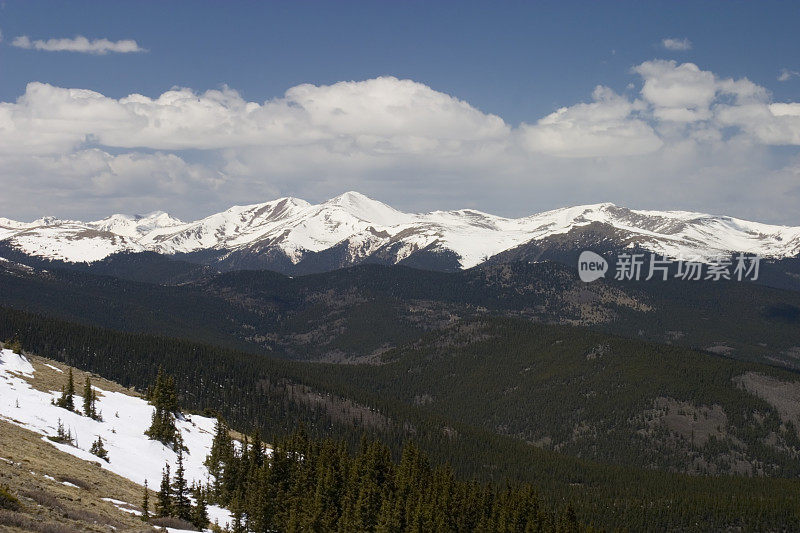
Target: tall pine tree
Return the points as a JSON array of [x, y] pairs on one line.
[[164, 497], [146, 503], [164, 399], [199, 510], [220, 455], [181, 504]]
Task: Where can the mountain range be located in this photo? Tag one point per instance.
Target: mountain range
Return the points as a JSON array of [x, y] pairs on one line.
[[293, 236]]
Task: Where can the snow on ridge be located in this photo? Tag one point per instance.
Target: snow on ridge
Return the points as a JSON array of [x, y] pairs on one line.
[[125, 418], [296, 227]]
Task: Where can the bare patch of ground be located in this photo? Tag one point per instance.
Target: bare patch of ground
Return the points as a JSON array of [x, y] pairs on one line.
[[793, 352], [720, 349], [783, 396], [694, 423]]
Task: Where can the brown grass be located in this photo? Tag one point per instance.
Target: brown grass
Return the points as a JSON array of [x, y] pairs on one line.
[[46, 379], [50, 506], [171, 521]]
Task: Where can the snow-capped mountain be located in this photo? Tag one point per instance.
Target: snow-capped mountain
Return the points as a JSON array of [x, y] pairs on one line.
[[353, 228]]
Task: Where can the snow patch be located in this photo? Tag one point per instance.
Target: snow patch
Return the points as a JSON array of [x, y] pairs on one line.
[[12, 362]]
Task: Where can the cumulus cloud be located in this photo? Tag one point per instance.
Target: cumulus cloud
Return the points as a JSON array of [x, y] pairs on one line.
[[681, 137], [674, 44], [786, 74], [79, 43], [683, 94], [609, 126], [680, 93], [384, 115]]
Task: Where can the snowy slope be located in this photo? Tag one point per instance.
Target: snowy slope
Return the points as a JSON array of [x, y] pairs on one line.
[[364, 227], [131, 454]]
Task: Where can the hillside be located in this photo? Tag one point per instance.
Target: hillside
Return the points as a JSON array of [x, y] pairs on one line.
[[599, 397], [59, 492], [27, 390], [358, 313], [342, 402]]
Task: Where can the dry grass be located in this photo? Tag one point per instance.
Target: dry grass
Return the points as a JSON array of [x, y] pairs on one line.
[[171, 521], [47, 379], [49, 505]]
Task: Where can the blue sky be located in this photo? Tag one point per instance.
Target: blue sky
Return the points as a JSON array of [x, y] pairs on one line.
[[518, 61]]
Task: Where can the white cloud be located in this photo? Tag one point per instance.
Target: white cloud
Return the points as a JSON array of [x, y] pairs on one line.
[[606, 127], [679, 93], [674, 44], [689, 139], [78, 43], [786, 74], [690, 103], [379, 116]]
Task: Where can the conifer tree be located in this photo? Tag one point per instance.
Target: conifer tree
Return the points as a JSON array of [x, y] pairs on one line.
[[199, 510], [181, 505], [237, 517], [257, 450], [63, 434], [66, 401], [99, 450], [569, 522], [164, 497], [164, 398], [146, 504], [89, 400], [219, 456]]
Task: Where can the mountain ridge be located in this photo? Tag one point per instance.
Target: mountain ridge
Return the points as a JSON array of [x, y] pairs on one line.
[[352, 228]]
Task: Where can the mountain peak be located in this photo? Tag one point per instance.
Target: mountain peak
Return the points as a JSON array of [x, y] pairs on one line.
[[353, 199], [367, 209]]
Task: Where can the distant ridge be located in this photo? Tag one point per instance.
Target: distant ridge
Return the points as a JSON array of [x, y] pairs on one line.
[[290, 234]]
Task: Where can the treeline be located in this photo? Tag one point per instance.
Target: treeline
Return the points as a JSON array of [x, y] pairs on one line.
[[303, 484], [273, 395]]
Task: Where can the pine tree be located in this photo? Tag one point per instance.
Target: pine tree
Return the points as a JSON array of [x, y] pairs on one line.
[[66, 401], [146, 504], [257, 450], [89, 400], [569, 522], [181, 505], [63, 435], [199, 510], [237, 517], [219, 456], [164, 497], [99, 450], [164, 398]]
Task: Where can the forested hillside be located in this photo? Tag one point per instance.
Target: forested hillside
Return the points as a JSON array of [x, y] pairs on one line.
[[343, 402], [357, 314]]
